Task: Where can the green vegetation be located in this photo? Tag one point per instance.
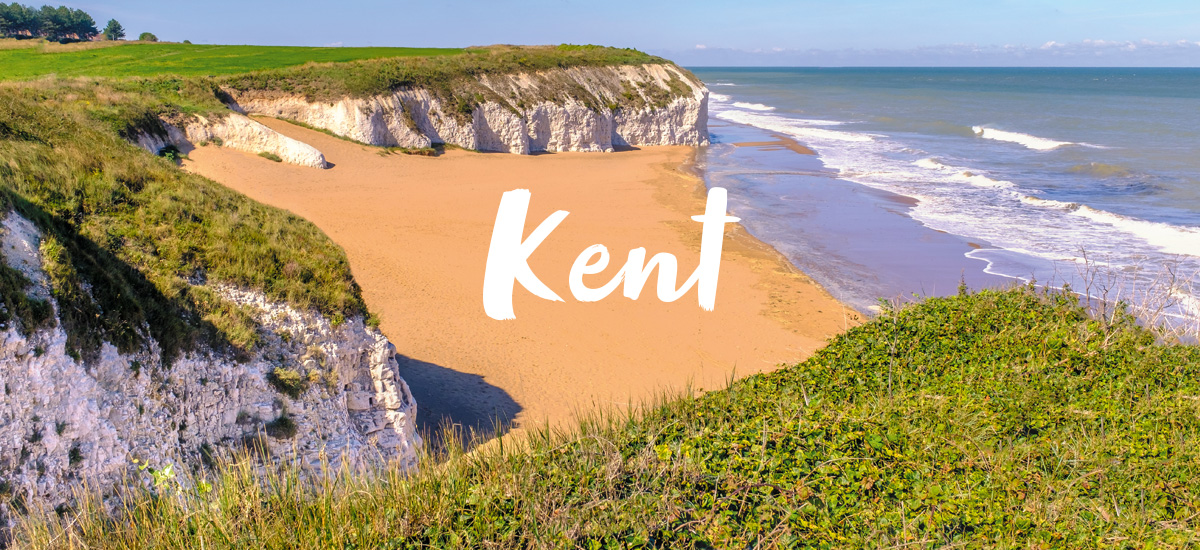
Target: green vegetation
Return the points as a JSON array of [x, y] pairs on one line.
[[270, 156], [147, 37], [998, 419], [113, 30], [17, 306], [288, 381], [281, 428], [450, 77], [125, 232], [117, 59], [61, 24]]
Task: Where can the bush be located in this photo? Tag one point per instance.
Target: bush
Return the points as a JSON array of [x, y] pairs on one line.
[[282, 428], [147, 37], [270, 156], [288, 381], [171, 153]]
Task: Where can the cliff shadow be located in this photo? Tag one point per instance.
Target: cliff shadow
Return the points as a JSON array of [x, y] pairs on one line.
[[463, 402]]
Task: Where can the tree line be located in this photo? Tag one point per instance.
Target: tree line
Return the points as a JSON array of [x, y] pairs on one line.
[[61, 24]]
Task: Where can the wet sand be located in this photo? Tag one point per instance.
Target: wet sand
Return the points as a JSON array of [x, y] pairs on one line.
[[781, 142], [417, 231], [861, 243]]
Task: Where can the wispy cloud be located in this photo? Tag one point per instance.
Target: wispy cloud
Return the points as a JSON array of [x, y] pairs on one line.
[[1091, 52]]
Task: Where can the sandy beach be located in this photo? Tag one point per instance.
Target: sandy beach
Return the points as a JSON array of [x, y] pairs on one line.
[[417, 229]]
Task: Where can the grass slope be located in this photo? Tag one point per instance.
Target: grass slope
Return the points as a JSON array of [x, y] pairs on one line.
[[126, 231], [1000, 419], [157, 59]]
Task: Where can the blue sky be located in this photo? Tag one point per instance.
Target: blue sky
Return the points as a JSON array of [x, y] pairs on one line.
[[764, 32]]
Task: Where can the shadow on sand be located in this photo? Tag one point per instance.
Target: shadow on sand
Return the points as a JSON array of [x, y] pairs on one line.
[[462, 401]]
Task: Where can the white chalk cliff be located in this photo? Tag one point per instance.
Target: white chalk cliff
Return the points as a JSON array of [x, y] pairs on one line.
[[64, 422], [573, 109], [235, 131]]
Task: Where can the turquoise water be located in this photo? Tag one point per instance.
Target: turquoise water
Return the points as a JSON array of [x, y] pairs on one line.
[[1041, 167]]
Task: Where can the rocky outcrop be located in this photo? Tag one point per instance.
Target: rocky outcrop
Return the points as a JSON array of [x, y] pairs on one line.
[[574, 109], [310, 390], [235, 131]]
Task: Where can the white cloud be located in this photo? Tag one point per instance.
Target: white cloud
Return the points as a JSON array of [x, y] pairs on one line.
[[334, 45], [701, 47]]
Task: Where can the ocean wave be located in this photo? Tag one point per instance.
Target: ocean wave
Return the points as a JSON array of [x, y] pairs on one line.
[[793, 127], [960, 174], [931, 164], [979, 180], [1172, 239], [720, 84], [1031, 142], [753, 106], [1101, 170], [718, 97], [1049, 203]]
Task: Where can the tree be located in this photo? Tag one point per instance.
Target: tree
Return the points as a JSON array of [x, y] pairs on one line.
[[23, 20], [54, 22], [82, 25], [147, 37], [61, 23], [114, 30]]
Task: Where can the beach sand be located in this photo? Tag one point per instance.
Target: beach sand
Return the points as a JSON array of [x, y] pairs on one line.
[[417, 230]]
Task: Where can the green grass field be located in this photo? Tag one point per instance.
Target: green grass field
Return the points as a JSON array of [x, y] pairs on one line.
[[182, 59]]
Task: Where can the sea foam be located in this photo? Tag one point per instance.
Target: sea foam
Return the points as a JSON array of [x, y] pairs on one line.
[[796, 128], [1031, 142], [753, 106]]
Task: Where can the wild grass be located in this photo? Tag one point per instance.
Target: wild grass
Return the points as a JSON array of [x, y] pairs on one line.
[[126, 233], [26, 59], [453, 79], [1001, 419], [18, 307]]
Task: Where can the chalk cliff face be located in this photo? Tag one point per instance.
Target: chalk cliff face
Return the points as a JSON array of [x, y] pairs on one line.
[[64, 422], [574, 109], [235, 131]]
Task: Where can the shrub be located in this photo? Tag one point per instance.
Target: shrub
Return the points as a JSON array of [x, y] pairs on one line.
[[288, 381], [171, 153], [75, 456], [282, 428], [147, 37], [270, 156]]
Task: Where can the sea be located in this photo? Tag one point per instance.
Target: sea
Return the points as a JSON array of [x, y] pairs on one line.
[[927, 178]]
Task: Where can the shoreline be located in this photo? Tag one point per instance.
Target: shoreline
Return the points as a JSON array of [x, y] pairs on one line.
[[394, 212], [860, 243]]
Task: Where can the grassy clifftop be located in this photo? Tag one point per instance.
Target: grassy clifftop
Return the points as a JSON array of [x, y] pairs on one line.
[[439, 74], [116, 59], [1000, 419], [126, 231]]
